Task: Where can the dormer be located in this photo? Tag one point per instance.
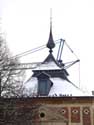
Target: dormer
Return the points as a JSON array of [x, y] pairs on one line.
[[44, 84]]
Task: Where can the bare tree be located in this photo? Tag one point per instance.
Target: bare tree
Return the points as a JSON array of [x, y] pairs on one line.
[[11, 81], [12, 114]]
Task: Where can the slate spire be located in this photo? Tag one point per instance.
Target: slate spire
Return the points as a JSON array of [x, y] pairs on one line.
[[50, 43]]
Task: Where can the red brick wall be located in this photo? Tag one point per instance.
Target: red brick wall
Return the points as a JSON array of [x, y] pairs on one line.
[[75, 114], [86, 115], [65, 112]]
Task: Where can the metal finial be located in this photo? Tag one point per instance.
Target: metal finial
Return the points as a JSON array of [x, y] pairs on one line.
[[50, 43]]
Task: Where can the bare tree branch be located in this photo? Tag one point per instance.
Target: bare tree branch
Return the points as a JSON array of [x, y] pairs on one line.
[[11, 82]]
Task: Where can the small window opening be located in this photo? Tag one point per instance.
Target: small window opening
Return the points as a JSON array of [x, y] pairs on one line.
[[42, 114]]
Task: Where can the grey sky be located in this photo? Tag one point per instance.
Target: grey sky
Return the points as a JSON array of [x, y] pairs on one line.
[[26, 25]]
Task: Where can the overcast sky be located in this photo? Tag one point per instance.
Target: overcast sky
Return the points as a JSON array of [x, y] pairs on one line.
[[25, 24]]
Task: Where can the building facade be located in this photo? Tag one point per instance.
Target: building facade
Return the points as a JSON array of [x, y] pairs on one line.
[[55, 101], [47, 111]]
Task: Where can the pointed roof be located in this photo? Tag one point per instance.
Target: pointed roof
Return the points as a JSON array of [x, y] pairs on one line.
[[50, 65], [56, 73], [50, 58], [64, 88]]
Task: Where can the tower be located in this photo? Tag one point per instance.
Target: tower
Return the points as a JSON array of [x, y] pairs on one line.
[[51, 78]]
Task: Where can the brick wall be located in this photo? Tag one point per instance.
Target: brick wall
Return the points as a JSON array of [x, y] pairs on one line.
[[28, 111]]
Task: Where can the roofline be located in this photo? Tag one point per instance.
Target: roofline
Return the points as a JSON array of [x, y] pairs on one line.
[[47, 97]]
